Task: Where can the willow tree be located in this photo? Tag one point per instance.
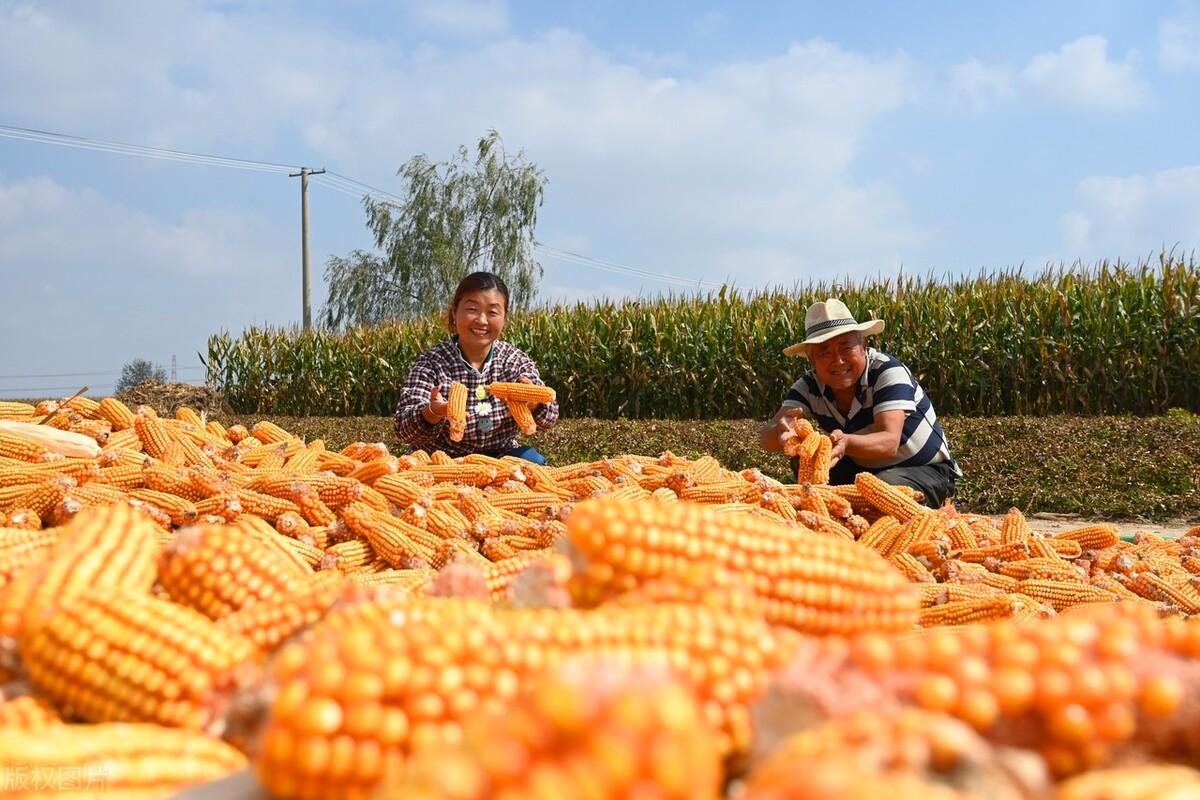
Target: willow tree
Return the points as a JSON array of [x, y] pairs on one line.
[[458, 217]]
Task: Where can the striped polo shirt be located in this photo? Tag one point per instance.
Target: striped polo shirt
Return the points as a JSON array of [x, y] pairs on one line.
[[886, 385]]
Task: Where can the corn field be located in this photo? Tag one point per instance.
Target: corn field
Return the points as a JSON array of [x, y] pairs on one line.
[[1109, 339]]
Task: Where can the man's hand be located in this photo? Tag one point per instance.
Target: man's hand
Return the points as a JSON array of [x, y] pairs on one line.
[[435, 412], [771, 433], [838, 439]]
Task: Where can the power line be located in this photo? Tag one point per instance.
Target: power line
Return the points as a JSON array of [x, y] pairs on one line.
[[331, 180], [78, 374], [143, 151]]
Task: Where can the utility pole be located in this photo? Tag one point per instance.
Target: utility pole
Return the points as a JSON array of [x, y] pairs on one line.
[[172, 368], [306, 284]]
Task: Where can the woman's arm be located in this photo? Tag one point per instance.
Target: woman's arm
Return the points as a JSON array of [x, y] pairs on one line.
[[411, 421]]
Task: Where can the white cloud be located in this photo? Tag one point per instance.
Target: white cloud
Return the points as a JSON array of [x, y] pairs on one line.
[[701, 169], [1179, 40], [1081, 73], [1134, 215], [471, 18], [103, 283], [981, 84]]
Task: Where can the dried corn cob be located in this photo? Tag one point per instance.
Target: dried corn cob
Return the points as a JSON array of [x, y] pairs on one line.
[[181, 510], [15, 410], [372, 471], [522, 416], [813, 583], [20, 548], [393, 539], [218, 569], [26, 713], [456, 411], [114, 547], [385, 687], [347, 555], [270, 622], [112, 760], [522, 392], [638, 733], [887, 499], [114, 656], [269, 433]]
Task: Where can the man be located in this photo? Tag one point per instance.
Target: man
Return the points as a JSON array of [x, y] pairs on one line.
[[876, 414]]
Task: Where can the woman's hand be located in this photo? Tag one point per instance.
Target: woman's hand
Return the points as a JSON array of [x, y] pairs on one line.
[[838, 439], [435, 412]]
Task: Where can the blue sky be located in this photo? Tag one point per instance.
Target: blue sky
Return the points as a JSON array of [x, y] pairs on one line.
[[763, 143]]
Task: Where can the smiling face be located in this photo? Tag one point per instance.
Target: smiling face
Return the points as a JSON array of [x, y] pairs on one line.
[[839, 362], [479, 318]]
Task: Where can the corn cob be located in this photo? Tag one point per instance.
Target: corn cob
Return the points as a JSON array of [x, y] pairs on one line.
[[293, 525], [22, 518], [638, 733], [470, 474], [15, 410], [1140, 782], [443, 660], [26, 713], [905, 753], [21, 448], [394, 540], [958, 612], [181, 510], [1153, 587], [522, 416], [813, 583], [104, 548], [43, 496], [305, 461], [112, 760], [310, 554], [270, 622], [372, 471], [887, 499], [456, 411], [269, 433], [218, 569], [1092, 537], [264, 505], [1063, 594], [346, 555], [136, 659], [521, 392], [20, 548], [364, 451], [1015, 527], [407, 581], [796, 431], [124, 441]]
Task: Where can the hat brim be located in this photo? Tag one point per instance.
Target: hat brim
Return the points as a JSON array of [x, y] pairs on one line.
[[868, 328]]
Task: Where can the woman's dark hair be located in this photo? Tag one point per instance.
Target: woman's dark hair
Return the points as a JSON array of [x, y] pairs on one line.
[[476, 282]]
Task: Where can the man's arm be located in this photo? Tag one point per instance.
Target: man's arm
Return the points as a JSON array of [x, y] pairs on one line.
[[881, 442], [771, 430]]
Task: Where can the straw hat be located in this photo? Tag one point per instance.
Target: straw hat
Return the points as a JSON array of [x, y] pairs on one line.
[[826, 320]]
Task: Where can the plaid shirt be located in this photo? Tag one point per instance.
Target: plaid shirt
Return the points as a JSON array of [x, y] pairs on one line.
[[490, 428]]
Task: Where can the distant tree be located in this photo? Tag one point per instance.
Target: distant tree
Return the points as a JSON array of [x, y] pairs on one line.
[[138, 371], [457, 218]]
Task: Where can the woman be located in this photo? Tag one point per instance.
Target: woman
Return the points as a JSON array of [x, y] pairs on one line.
[[473, 356]]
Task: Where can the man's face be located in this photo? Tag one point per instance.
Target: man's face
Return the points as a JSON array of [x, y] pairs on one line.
[[839, 362]]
